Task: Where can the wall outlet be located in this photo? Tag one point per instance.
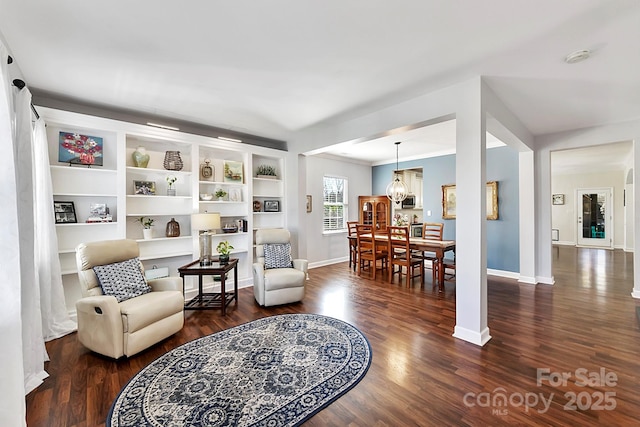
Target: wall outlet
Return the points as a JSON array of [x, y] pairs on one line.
[[428, 213]]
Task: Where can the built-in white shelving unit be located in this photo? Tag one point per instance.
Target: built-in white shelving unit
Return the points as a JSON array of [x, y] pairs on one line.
[[112, 184]]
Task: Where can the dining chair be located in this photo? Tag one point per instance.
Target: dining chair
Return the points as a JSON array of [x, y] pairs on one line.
[[432, 231], [353, 244], [400, 255], [368, 250], [449, 264]]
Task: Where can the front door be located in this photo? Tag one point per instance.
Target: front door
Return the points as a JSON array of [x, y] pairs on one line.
[[595, 217]]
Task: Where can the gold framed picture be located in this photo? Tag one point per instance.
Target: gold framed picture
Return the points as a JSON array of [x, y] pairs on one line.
[[449, 201]]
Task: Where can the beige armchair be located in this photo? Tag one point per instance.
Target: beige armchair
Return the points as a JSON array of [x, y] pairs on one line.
[[125, 328], [277, 279]]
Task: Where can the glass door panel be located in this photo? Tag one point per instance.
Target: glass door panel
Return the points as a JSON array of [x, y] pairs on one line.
[[594, 218]]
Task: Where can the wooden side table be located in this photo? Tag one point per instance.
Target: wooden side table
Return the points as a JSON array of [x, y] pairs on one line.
[[210, 300]]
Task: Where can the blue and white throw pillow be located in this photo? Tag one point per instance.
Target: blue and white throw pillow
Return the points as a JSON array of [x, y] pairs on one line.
[[277, 255], [123, 280]]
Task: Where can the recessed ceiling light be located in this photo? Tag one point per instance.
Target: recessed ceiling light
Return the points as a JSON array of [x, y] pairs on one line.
[[577, 56]]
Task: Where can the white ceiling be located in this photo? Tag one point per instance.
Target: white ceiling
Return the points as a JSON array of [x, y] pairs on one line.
[[273, 67]]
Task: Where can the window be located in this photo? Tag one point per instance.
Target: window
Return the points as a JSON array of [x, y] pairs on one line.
[[335, 204]]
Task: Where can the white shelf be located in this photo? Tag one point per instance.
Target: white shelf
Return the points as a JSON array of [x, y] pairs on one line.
[[159, 239], [138, 170], [97, 169], [167, 255], [267, 179], [87, 224], [232, 184], [157, 196], [93, 195]]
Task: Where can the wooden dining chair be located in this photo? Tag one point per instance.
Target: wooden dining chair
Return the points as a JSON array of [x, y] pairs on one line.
[[353, 244], [432, 231], [369, 251], [400, 255], [449, 264]]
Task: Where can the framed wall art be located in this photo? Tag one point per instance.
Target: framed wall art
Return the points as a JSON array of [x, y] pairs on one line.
[[144, 188], [449, 201], [65, 212], [271, 206], [77, 149], [235, 195], [233, 171], [557, 199]]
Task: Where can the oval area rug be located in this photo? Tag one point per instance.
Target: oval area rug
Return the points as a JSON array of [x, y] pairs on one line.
[[275, 371]]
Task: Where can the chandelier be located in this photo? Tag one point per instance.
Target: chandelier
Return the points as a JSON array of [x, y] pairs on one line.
[[397, 190]]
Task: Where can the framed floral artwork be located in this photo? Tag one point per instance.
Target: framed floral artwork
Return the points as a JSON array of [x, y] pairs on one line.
[[77, 149]]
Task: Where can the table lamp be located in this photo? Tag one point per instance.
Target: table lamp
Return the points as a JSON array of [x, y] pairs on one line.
[[206, 223]]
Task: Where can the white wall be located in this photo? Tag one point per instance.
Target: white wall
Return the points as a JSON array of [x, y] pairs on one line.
[[323, 249], [563, 217]]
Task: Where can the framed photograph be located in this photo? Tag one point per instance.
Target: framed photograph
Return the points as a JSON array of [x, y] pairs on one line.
[[65, 212], [77, 149], [144, 188], [97, 209], [232, 171], [271, 206], [235, 195], [558, 199], [309, 205], [449, 201]]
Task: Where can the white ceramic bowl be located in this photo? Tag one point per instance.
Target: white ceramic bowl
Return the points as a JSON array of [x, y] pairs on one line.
[[206, 197]]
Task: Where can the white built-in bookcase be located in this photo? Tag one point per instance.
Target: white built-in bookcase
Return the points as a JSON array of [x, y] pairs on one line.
[[113, 184]]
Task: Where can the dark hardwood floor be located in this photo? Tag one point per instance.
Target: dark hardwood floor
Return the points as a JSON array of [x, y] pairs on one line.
[[420, 375]]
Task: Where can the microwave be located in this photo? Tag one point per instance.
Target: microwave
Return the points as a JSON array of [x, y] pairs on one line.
[[409, 202]]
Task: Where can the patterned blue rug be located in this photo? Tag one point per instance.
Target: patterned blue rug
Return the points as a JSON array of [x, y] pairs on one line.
[[276, 371]]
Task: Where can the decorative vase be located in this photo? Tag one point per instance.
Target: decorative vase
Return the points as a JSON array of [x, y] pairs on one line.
[[147, 233], [173, 161], [173, 228], [140, 157], [171, 191], [223, 258]]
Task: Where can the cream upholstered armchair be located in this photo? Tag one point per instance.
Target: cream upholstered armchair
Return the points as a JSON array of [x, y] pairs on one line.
[[120, 312], [277, 279]]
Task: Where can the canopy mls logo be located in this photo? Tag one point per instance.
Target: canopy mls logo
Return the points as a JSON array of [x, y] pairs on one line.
[[499, 400]]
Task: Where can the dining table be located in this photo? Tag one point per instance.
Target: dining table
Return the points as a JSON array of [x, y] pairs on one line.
[[438, 247]]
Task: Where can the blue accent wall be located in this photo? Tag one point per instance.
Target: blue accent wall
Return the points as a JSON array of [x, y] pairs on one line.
[[503, 245]]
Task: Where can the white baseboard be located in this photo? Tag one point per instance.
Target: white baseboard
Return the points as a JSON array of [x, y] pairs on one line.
[[327, 262], [477, 338]]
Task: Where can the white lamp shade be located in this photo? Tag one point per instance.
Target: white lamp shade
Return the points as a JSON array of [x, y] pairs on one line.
[[205, 221]]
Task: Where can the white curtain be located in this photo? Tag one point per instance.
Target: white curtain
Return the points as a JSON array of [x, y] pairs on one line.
[[32, 307], [55, 317], [34, 352], [12, 388]]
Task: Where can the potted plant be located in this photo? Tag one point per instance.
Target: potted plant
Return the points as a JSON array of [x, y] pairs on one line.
[[220, 193], [171, 179], [146, 223], [224, 248], [266, 171]]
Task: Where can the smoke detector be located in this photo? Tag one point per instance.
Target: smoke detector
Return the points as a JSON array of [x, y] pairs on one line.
[[577, 56]]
